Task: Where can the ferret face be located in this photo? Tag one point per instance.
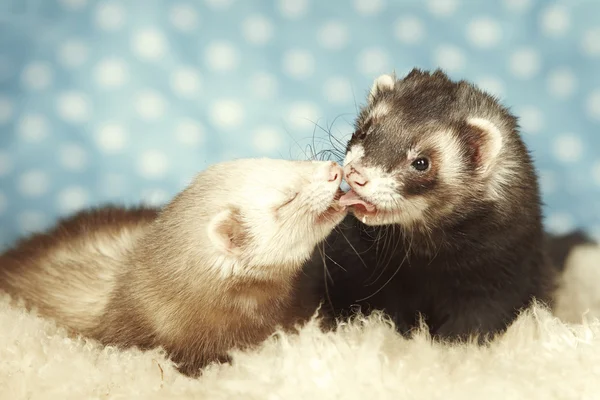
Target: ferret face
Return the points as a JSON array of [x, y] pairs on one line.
[[424, 149], [272, 212]]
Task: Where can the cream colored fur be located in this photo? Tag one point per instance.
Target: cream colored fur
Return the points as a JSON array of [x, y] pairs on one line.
[[540, 357]]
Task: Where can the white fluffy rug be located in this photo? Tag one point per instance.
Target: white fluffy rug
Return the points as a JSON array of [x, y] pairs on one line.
[[540, 357]]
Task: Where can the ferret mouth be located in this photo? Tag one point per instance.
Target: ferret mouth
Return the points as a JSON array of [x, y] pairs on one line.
[[335, 209], [354, 200]]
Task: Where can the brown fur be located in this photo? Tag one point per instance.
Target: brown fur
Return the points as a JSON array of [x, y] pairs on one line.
[[175, 278], [88, 242]]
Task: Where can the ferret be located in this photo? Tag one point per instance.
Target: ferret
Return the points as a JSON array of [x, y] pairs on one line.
[[215, 269], [446, 220]]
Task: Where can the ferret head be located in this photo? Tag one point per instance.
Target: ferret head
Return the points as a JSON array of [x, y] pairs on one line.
[[256, 217], [427, 149]]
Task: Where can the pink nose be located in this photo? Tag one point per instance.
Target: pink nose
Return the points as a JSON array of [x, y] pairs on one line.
[[335, 172], [356, 178]]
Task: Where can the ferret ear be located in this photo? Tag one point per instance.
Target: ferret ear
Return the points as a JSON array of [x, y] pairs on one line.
[[226, 232], [485, 141], [382, 84]]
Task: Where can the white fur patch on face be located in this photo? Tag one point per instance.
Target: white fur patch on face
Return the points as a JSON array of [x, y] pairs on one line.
[[400, 212], [380, 110], [381, 187], [450, 152], [381, 84], [355, 154]]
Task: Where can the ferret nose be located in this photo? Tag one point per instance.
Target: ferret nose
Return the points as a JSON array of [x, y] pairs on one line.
[[335, 172], [356, 178]]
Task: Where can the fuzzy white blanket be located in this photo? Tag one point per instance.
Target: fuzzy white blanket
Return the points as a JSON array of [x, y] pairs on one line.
[[540, 357]]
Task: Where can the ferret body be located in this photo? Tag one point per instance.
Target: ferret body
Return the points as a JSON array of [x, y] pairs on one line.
[[451, 227], [215, 269]]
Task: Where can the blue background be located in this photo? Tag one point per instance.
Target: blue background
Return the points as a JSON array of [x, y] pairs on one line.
[[125, 100]]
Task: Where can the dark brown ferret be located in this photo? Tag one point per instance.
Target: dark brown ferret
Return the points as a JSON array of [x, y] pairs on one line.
[[447, 218], [214, 270]]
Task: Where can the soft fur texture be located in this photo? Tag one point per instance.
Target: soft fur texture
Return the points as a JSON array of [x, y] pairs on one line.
[[539, 357]]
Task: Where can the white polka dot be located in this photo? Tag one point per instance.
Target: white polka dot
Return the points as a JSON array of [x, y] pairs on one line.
[[293, 8], [303, 115], [219, 4], [150, 105], [590, 42], [185, 81], [73, 4], [3, 203], [547, 181], [592, 105], [368, 7], [6, 164], [111, 73], [73, 107], [111, 138], [155, 197], [562, 82], [267, 139], [33, 183], [524, 63], [442, 8], [531, 119], [257, 29], [153, 164], [264, 85], [596, 173], [33, 127], [72, 199], [450, 58], [149, 44], [32, 221], [373, 61], [338, 90], [73, 157], [555, 20], [184, 17], [298, 64], [333, 35], [110, 16], [222, 56], [73, 53], [560, 223], [492, 85], [189, 132], [409, 29], [37, 75], [6, 109], [227, 114], [568, 148], [484, 32], [517, 5]]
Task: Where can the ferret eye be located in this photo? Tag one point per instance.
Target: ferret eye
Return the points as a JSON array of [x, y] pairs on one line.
[[421, 164], [289, 200]]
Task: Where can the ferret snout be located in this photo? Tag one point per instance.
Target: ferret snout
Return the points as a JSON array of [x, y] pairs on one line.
[[355, 177], [331, 171]]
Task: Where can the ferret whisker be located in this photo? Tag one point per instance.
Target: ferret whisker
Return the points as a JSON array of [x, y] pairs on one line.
[[297, 144], [336, 263], [325, 274], [387, 244], [354, 249]]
